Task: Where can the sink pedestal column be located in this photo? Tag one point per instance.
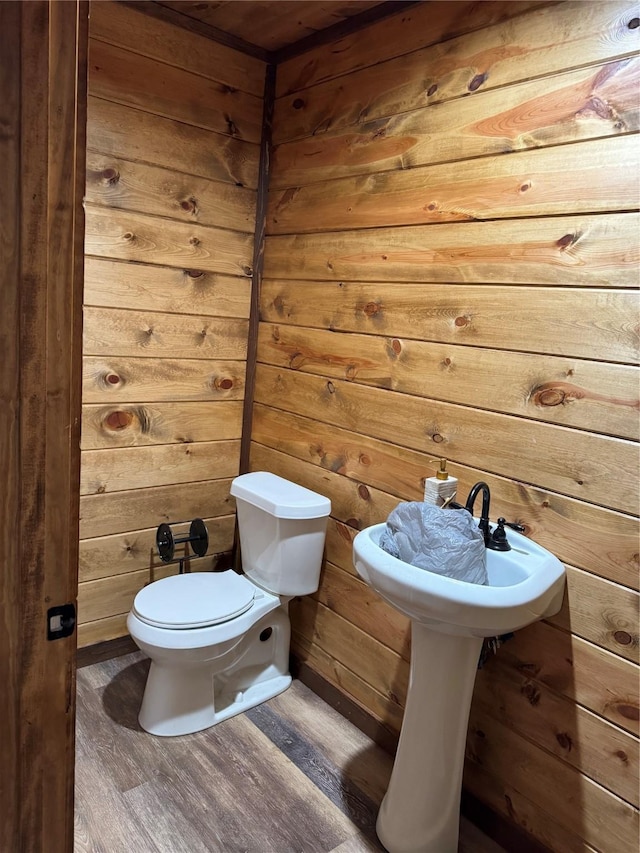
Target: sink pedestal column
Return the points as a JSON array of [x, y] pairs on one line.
[[420, 812]]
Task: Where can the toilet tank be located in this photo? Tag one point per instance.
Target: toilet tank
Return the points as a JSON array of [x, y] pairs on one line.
[[282, 529]]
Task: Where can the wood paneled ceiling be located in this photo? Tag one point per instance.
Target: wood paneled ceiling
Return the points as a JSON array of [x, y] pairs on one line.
[[270, 24]]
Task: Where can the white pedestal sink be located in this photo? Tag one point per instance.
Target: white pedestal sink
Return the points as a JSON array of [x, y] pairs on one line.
[[449, 619]]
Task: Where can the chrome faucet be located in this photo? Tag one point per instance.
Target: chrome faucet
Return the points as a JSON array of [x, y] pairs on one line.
[[483, 524]]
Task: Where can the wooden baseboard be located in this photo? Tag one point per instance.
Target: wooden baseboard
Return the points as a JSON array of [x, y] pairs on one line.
[[105, 651], [497, 827], [494, 825], [364, 721]]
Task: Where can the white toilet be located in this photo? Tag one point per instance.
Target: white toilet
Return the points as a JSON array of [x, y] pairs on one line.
[[219, 641]]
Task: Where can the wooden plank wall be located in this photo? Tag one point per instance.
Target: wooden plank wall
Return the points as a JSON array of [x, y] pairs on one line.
[[450, 270], [172, 162]]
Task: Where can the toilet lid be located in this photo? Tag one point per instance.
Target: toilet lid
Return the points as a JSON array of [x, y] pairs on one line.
[[194, 600]]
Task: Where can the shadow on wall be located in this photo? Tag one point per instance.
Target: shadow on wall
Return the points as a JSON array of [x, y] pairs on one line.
[[525, 697]]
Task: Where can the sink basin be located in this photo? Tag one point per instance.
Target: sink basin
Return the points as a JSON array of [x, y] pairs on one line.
[[525, 584], [421, 810]]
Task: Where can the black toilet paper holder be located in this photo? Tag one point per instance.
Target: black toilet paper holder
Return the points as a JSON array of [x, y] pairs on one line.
[[166, 542]]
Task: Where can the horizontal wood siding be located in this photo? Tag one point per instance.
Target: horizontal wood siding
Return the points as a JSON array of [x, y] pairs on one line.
[[121, 26], [172, 162], [451, 269], [583, 104], [508, 52]]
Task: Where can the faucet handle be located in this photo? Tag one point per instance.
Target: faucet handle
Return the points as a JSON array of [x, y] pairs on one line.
[[520, 528], [498, 540]]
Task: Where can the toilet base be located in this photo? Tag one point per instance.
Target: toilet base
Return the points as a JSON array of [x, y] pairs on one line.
[[197, 711], [186, 696]]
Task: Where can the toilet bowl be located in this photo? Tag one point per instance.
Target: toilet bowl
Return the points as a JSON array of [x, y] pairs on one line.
[[219, 641]]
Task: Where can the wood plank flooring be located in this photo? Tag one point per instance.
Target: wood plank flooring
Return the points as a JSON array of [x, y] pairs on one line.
[[290, 776]]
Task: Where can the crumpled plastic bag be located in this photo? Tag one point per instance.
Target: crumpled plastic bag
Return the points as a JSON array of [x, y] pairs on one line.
[[445, 541]]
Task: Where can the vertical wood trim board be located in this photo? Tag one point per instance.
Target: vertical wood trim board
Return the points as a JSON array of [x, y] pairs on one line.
[[258, 263], [173, 162], [442, 278], [43, 113], [11, 574]]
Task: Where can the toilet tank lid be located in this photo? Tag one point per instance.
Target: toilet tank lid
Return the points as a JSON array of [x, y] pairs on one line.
[[279, 497]]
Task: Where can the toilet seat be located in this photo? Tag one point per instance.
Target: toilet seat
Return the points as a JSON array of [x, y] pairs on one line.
[[197, 600]]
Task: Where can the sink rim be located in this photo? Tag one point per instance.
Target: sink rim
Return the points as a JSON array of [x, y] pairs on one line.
[[434, 598]]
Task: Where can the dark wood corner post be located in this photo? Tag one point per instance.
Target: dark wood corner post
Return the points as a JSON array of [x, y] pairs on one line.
[[256, 283], [42, 142], [258, 262]]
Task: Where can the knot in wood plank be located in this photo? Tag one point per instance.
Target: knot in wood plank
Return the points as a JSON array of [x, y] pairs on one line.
[[190, 205], [566, 241], [530, 693], [343, 532], [109, 177], [623, 637], [564, 740], [477, 81], [118, 419], [351, 371], [131, 547], [548, 395], [630, 712], [223, 383], [144, 336], [232, 127], [371, 309], [510, 808]]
